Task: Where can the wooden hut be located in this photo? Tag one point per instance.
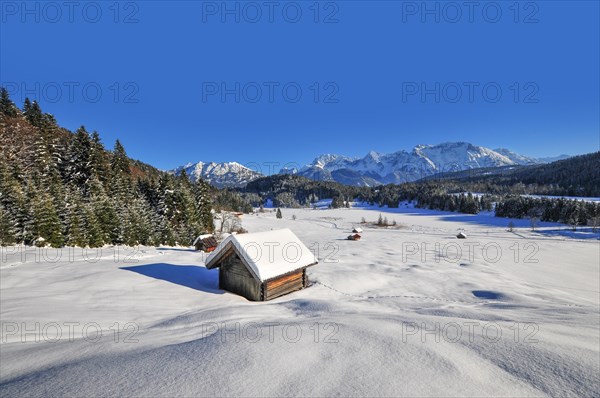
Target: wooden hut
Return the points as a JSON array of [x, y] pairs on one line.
[[206, 243], [357, 230], [261, 266], [354, 237], [461, 235]]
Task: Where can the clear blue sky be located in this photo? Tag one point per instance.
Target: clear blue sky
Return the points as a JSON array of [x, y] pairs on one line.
[[161, 68]]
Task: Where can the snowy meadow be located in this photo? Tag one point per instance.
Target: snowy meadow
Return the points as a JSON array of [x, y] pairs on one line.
[[409, 310]]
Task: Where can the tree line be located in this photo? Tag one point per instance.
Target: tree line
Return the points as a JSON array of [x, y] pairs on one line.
[[61, 188], [447, 195]]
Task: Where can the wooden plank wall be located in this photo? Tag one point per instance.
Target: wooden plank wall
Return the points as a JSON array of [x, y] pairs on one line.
[[284, 285]]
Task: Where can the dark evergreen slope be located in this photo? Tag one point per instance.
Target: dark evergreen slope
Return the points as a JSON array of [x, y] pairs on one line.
[[440, 194], [294, 191], [63, 188], [576, 176]]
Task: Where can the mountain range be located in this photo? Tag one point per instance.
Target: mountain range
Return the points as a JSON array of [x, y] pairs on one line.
[[375, 168]]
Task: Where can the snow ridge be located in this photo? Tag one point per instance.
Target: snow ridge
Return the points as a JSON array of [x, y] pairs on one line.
[[374, 168], [403, 166]]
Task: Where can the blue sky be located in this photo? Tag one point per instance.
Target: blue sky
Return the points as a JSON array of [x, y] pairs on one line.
[[258, 84]]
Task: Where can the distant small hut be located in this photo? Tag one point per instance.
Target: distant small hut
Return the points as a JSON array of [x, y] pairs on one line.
[[357, 230], [354, 237], [207, 243], [262, 266], [461, 235]]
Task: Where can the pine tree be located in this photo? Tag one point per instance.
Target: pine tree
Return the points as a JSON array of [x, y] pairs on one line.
[[469, 204], [48, 123], [93, 229], [204, 207], [120, 182], [337, 202], [98, 159], [139, 229], [188, 223], [76, 228], [7, 233], [33, 113], [78, 168], [12, 205], [7, 107], [43, 163], [278, 214], [26, 106], [107, 217], [166, 210], [46, 223], [120, 161]]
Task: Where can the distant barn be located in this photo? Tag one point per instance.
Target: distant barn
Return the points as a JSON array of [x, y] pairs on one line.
[[206, 243], [261, 266], [354, 237]]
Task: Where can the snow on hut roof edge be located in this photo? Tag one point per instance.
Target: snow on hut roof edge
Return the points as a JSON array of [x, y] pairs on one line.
[[269, 254]]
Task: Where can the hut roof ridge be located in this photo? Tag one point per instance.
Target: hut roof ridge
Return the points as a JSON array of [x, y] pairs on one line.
[[269, 254]]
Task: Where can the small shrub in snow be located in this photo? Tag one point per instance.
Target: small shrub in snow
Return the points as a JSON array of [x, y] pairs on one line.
[[533, 221]]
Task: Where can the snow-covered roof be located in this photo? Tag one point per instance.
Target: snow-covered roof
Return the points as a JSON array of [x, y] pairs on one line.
[[268, 254], [199, 238]]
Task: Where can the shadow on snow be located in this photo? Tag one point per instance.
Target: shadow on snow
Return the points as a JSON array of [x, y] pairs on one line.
[[177, 249], [191, 276]]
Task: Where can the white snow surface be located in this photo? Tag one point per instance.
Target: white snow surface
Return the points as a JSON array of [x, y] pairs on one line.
[[406, 311], [269, 254]]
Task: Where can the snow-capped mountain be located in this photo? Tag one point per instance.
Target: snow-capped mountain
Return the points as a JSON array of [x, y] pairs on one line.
[[229, 174], [403, 166], [374, 168], [515, 157]]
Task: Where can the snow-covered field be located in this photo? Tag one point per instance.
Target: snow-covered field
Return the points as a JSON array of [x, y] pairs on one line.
[[406, 311]]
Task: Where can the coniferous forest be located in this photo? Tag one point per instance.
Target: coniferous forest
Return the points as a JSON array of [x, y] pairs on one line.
[[61, 188], [506, 200]]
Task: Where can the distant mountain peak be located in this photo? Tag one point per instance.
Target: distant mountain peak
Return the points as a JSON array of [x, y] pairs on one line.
[[375, 156], [226, 174]]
